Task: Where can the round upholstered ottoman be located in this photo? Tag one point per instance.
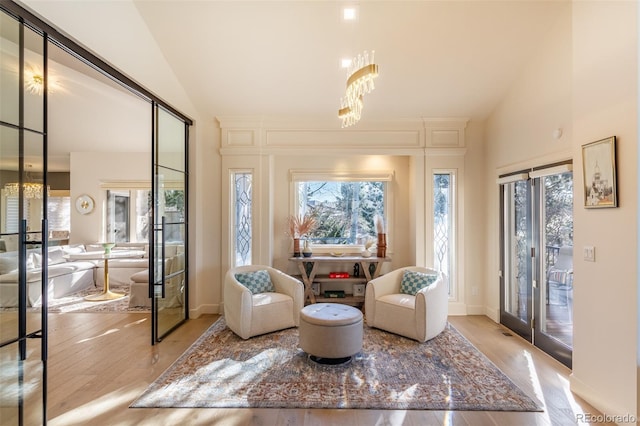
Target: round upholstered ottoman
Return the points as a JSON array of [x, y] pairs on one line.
[[331, 333]]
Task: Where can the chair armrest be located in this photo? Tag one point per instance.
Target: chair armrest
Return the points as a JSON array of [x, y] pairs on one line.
[[388, 283], [237, 306], [432, 307], [292, 287]]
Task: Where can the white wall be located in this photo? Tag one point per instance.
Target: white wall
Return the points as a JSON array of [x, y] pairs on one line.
[[605, 91], [88, 171], [519, 134], [584, 80]]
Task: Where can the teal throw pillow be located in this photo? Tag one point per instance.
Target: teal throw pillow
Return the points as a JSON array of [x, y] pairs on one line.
[[257, 281], [412, 281]]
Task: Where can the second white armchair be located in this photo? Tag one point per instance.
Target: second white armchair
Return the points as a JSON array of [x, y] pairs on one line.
[[420, 316]]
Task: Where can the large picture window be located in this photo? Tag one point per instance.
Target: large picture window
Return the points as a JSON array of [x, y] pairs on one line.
[[344, 205]]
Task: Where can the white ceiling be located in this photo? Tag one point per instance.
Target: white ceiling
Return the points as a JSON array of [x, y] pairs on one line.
[[436, 58], [282, 59]]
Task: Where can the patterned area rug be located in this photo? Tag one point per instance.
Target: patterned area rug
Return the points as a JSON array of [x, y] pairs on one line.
[[270, 371]]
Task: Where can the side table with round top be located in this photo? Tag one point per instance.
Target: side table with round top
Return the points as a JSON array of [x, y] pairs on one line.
[[106, 294], [331, 333]]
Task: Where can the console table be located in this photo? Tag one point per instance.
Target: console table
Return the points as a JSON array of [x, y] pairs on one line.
[[308, 278]]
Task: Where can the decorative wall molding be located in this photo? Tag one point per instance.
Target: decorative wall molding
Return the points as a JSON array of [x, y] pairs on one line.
[[445, 132], [445, 152], [253, 135]]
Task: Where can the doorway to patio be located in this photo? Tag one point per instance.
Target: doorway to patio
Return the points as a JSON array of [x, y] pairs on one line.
[[536, 276]]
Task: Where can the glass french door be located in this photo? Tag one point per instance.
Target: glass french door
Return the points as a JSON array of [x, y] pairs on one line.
[[23, 225], [537, 258], [169, 290]]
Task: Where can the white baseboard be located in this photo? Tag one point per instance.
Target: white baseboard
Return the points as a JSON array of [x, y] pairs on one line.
[[493, 313], [475, 310], [205, 309], [457, 308], [600, 402]]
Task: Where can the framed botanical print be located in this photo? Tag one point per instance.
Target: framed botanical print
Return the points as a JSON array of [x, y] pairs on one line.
[[599, 172]]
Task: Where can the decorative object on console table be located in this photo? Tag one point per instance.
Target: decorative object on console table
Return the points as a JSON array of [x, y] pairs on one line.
[[334, 294], [338, 275], [107, 247], [382, 236], [316, 288], [382, 245], [298, 227], [358, 290], [306, 251], [369, 242]]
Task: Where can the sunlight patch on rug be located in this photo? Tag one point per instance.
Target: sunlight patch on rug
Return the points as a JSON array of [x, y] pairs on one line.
[[75, 303], [221, 370]]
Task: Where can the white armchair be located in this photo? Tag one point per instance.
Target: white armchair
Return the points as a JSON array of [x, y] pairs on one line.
[[249, 314], [420, 317]]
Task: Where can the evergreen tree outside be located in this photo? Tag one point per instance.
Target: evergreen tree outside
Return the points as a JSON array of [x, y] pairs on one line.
[[344, 210]]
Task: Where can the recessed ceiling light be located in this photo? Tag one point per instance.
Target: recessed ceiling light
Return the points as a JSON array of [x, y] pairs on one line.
[[349, 14]]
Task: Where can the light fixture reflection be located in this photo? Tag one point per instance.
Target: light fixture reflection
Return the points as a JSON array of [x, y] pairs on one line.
[[34, 81]]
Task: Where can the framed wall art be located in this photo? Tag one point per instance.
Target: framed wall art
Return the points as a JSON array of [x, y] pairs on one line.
[[599, 172]]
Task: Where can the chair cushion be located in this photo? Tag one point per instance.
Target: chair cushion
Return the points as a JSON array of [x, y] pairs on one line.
[[257, 281], [413, 281]]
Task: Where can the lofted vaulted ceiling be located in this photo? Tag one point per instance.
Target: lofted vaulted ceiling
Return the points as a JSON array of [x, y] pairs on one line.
[[436, 58], [282, 59]]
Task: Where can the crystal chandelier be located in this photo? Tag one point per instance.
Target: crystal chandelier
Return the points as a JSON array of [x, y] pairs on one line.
[[29, 189], [360, 73]]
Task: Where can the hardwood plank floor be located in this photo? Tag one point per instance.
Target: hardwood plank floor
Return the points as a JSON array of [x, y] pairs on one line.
[[99, 363]]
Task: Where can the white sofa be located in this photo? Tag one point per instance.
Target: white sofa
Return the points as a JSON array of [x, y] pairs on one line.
[[66, 276]]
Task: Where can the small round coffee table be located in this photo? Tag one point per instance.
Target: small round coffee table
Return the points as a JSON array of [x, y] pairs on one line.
[[331, 333]]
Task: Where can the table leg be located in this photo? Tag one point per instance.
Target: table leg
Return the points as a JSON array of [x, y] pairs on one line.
[[308, 281], [106, 293]]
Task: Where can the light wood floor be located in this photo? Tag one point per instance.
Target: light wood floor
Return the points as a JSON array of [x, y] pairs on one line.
[[99, 363]]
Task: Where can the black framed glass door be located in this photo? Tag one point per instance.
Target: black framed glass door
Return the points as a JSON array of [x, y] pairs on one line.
[[553, 216], [516, 296], [23, 225], [536, 297], [169, 305]]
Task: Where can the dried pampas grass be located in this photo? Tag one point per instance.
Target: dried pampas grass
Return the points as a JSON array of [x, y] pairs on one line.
[[379, 222], [297, 226]]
